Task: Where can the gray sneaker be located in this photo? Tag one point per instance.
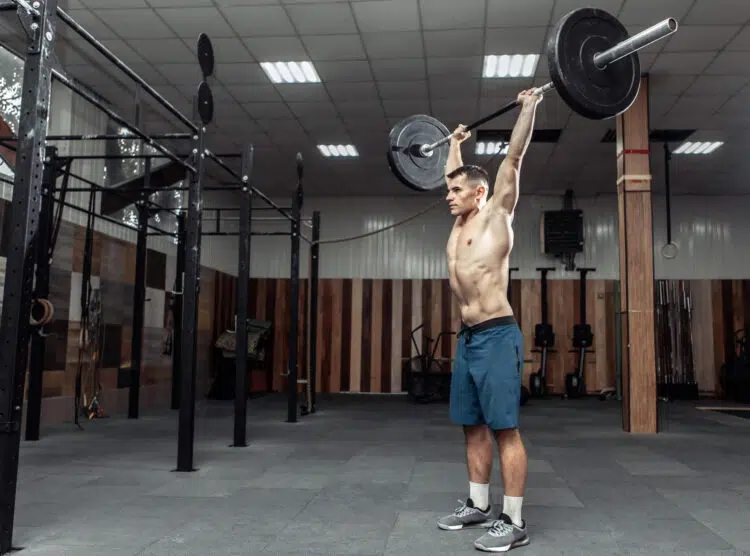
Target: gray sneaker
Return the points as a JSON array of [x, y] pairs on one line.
[[466, 515], [503, 536]]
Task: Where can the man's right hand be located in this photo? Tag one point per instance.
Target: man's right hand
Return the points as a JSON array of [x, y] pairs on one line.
[[460, 134]]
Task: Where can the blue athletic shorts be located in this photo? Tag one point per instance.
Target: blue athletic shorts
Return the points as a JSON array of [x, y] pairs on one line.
[[487, 372]]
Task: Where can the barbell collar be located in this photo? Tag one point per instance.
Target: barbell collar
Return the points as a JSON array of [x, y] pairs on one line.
[[636, 42]]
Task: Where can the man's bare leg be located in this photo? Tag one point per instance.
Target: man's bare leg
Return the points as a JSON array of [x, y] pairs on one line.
[[479, 452], [514, 465]]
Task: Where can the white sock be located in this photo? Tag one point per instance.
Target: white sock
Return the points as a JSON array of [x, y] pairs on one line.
[[480, 494], [512, 508]]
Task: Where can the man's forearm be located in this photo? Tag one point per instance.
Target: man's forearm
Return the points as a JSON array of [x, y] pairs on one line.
[[521, 136], [454, 157]]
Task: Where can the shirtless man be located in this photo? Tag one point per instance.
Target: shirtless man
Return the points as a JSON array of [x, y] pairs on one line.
[[486, 382]]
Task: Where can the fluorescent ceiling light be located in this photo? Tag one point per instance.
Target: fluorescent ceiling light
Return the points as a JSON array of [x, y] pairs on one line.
[[337, 151], [510, 65], [698, 147], [491, 147], [291, 72]]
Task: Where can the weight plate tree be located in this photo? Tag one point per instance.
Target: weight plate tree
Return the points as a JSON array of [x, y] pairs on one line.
[[593, 66]]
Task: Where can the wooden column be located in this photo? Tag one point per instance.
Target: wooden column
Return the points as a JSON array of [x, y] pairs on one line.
[[636, 267]]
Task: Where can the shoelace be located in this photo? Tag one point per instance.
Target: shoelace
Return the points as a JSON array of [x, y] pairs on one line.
[[500, 529], [463, 509]]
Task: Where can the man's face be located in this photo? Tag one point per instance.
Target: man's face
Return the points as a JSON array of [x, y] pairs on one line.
[[462, 197]]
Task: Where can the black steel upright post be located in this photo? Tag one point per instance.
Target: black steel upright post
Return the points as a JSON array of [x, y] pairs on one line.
[[178, 295], [41, 291], [15, 329], [314, 269], [139, 300], [191, 290], [243, 279], [294, 305]]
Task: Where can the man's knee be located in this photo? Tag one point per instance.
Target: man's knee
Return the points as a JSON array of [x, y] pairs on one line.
[[507, 436]]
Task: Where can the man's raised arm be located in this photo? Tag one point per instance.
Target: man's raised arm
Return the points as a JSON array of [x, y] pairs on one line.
[[454, 154], [505, 194]]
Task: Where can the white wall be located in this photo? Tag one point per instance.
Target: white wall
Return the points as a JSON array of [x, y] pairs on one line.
[[712, 234]]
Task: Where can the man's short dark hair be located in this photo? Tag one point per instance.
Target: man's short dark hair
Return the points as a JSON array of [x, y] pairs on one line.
[[474, 174]]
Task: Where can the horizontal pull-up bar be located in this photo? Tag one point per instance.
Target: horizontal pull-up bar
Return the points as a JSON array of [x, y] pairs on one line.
[[121, 121], [108, 137]]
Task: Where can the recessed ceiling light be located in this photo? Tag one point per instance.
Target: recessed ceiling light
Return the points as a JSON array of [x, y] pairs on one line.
[[510, 65], [330, 151], [698, 147], [491, 147], [291, 72]]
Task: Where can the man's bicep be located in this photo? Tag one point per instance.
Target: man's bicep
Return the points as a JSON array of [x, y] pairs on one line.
[[505, 195]]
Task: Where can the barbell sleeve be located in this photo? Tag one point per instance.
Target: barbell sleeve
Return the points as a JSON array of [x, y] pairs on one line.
[[636, 42]]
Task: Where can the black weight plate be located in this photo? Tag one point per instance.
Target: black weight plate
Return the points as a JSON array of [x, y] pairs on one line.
[[205, 103], [421, 173], [205, 55], [589, 91]]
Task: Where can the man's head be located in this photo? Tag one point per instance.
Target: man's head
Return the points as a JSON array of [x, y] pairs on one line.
[[468, 189]]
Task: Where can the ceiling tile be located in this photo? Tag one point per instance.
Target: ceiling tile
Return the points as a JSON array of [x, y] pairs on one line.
[[91, 22], [241, 74], [303, 92], [136, 24], [658, 105], [403, 90], [323, 129], [456, 67], [729, 63], [563, 7], [387, 15], [115, 4], [701, 38], [449, 14], [521, 40], [191, 22], [404, 108], [275, 49], [334, 47], [719, 12], [717, 84], [255, 93], [741, 41], [663, 84], [703, 104], [319, 109], [398, 70], [185, 3], [364, 90], [527, 13], [441, 88], [163, 51], [267, 110], [322, 19], [648, 12], [403, 44], [359, 108], [257, 21], [352, 70], [682, 63], [181, 74], [465, 42]]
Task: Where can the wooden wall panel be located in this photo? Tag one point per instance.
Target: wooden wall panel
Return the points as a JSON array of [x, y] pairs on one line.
[[396, 319], [355, 359]]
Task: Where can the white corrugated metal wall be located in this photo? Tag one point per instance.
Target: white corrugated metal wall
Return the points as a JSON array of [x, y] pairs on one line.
[[712, 234]]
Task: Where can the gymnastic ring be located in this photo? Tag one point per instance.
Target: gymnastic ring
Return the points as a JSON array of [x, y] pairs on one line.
[[42, 319], [669, 251]]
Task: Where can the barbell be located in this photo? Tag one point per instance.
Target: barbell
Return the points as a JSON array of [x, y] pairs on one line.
[[593, 66]]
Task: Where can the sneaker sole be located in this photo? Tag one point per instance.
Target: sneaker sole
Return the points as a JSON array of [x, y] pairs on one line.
[[482, 525], [506, 548]]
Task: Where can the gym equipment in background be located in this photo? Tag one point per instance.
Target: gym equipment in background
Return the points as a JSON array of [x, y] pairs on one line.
[[544, 340], [735, 372], [583, 338]]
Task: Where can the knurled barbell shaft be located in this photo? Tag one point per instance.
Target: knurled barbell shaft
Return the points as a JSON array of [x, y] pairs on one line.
[[601, 60]]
